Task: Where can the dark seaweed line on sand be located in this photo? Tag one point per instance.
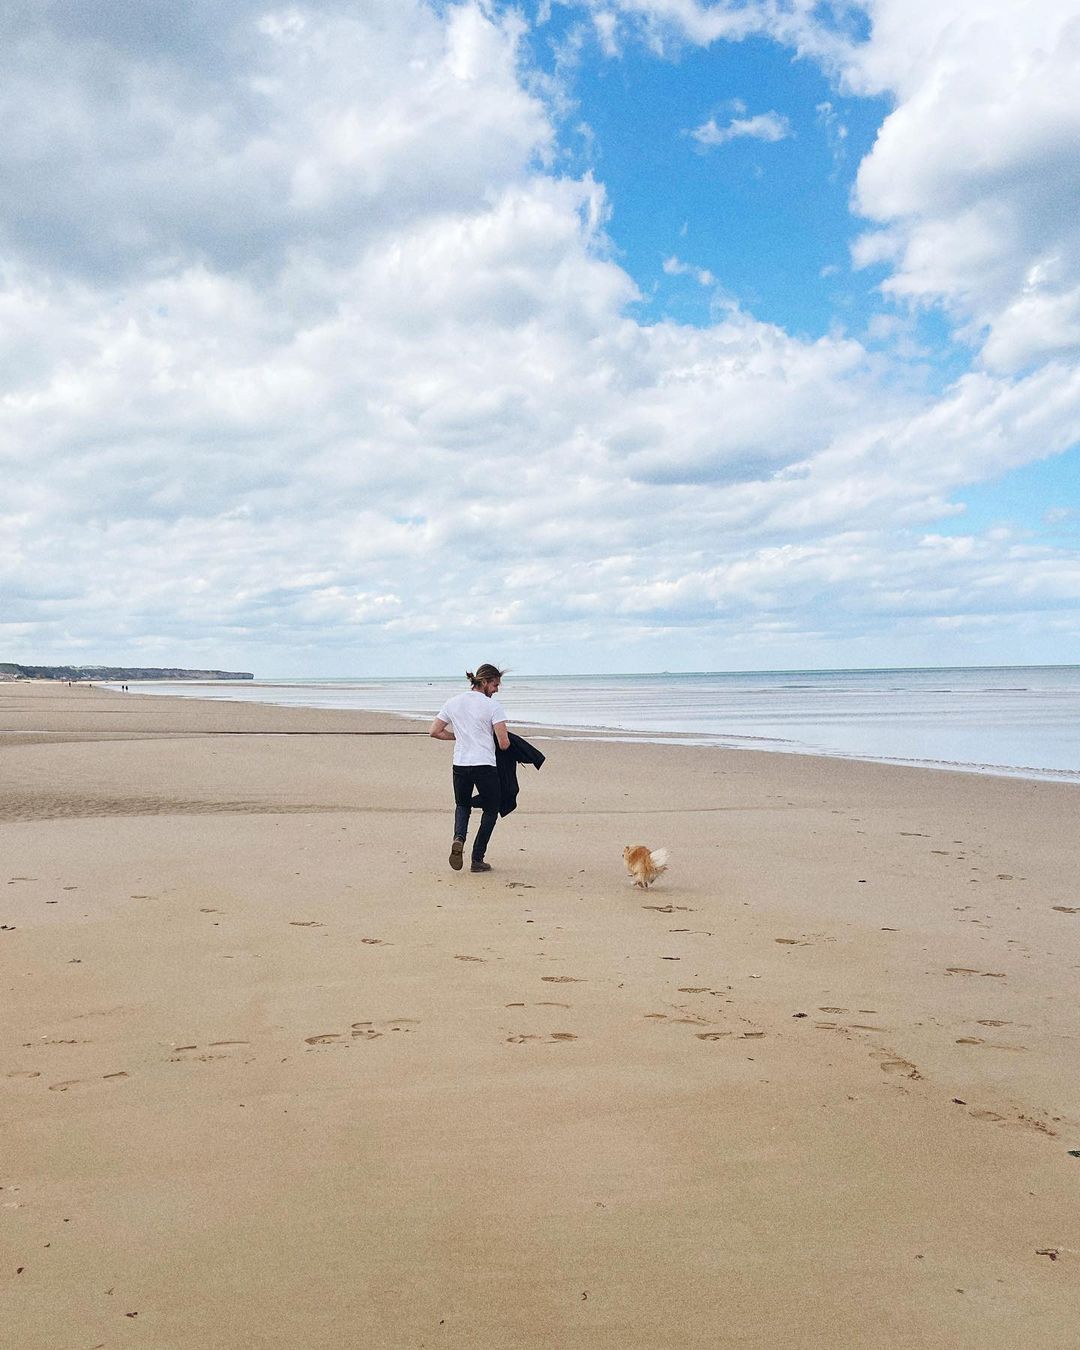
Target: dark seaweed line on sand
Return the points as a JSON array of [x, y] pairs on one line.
[[191, 732], [28, 807]]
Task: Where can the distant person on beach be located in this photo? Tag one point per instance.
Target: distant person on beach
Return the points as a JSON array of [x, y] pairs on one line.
[[474, 721]]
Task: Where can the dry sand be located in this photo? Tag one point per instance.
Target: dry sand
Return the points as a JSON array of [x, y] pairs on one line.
[[274, 1076]]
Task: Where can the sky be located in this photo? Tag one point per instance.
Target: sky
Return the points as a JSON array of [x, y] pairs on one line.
[[385, 337]]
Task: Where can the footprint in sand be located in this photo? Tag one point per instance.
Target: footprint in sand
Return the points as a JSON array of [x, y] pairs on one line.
[[303, 923], [370, 1030], [1066, 909], [212, 1045], [184, 1054], [23, 1073], [901, 1066], [711, 1035], [967, 970], [469, 958], [834, 1010], [552, 1038], [1033, 1123], [691, 1021], [362, 1031], [671, 909], [373, 942], [70, 1083], [792, 942], [1019, 1122], [561, 979], [989, 1045]]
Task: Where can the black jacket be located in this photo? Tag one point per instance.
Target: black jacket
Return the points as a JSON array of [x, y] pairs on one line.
[[506, 761]]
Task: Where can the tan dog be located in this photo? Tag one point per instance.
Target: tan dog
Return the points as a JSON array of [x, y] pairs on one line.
[[644, 866]]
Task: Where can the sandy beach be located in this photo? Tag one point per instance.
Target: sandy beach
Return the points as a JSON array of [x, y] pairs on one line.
[[274, 1076]]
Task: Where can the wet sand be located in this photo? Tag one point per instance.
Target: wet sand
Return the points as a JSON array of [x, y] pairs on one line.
[[274, 1076]]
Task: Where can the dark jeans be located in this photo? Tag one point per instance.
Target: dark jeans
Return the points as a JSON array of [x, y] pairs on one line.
[[483, 779]]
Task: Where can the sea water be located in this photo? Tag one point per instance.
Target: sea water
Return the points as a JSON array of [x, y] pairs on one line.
[[1019, 720]]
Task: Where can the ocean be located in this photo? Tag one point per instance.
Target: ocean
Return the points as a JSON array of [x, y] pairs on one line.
[[1017, 720]]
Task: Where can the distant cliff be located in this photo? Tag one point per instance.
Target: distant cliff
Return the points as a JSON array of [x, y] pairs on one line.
[[15, 672]]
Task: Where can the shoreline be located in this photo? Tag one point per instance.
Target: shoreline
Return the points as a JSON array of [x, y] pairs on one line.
[[276, 1076], [759, 744]]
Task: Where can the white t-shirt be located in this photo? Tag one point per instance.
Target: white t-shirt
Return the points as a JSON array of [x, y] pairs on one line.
[[472, 716]]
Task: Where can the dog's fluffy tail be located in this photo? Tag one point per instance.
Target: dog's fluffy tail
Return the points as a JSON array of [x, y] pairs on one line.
[[660, 859]]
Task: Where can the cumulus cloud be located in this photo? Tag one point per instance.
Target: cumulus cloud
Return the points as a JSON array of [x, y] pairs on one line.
[[133, 147], [975, 175], [313, 358]]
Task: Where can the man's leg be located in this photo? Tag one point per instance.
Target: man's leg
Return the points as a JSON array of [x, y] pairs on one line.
[[487, 784], [463, 789]]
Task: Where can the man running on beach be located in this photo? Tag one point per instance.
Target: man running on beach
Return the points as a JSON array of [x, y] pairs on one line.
[[474, 721]]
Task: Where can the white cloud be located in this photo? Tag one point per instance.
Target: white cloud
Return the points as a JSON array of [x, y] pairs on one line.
[[665, 20], [675, 267], [975, 175], [666, 23], [606, 24], [224, 141], [768, 126]]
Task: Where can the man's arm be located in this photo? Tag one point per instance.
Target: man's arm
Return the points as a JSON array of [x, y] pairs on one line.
[[502, 736], [440, 730]]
